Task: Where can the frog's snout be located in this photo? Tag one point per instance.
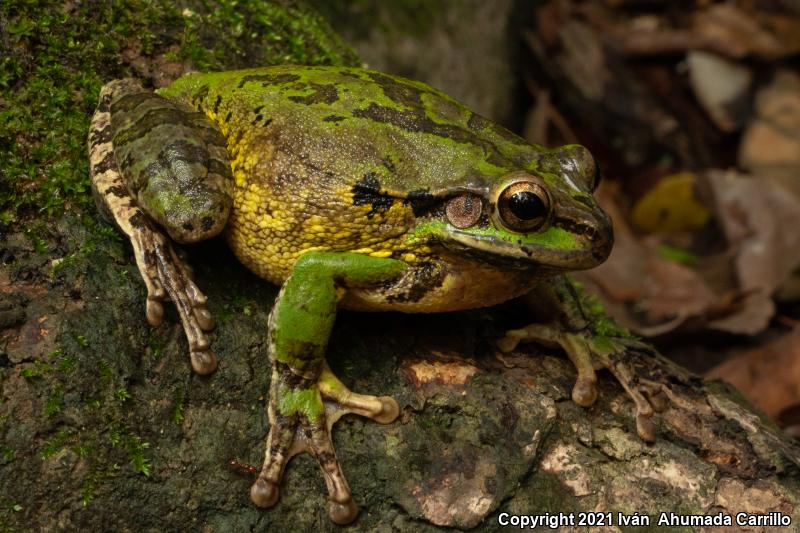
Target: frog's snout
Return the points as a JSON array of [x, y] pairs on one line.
[[594, 234]]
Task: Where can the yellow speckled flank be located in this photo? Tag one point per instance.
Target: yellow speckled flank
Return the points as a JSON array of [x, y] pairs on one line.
[[350, 160], [283, 209]]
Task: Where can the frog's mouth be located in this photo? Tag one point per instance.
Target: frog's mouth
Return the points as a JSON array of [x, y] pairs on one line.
[[558, 252]]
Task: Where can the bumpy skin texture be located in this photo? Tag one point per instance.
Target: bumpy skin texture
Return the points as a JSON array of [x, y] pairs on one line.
[[356, 188], [328, 158]]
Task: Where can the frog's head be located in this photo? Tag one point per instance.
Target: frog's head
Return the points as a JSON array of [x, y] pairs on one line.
[[543, 217]]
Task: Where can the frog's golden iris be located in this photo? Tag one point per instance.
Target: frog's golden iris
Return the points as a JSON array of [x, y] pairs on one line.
[[523, 206]]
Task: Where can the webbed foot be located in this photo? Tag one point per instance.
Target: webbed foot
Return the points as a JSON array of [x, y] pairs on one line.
[[301, 414], [589, 352]]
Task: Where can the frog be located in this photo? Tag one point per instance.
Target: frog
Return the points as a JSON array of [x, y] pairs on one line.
[[351, 189]]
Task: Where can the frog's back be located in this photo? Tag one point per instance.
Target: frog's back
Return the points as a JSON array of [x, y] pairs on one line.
[[334, 158]]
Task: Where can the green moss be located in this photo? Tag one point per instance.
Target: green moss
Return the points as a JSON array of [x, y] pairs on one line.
[[7, 453], [39, 244], [95, 477], [53, 404], [155, 345], [35, 370], [178, 407], [135, 448], [81, 341], [123, 395], [7, 508], [56, 443], [602, 324], [57, 56]]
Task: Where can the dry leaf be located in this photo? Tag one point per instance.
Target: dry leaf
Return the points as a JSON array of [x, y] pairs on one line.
[[760, 221], [671, 206], [768, 376]]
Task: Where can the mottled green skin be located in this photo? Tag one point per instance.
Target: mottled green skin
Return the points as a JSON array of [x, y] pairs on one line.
[[393, 142], [173, 161], [342, 191], [410, 136]]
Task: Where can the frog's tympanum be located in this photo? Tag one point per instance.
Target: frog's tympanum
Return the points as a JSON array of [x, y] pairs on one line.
[[356, 189]]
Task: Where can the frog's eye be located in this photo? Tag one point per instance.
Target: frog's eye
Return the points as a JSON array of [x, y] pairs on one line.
[[464, 210], [523, 206]]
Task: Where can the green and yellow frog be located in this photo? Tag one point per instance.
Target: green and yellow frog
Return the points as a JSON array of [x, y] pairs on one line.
[[352, 188]]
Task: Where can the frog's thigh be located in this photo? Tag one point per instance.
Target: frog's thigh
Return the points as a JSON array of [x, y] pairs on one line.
[[305, 397], [301, 322], [162, 270]]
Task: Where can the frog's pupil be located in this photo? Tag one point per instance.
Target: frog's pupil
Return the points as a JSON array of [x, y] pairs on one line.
[[526, 205]]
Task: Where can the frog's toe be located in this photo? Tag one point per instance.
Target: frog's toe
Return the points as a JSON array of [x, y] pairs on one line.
[[658, 399], [645, 428], [343, 513], [389, 410], [511, 339], [264, 493], [204, 362], [341, 401], [342, 509], [204, 318], [154, 311], [584, 392], [586, 356], [644, 410], [166, 274], [299, 434]]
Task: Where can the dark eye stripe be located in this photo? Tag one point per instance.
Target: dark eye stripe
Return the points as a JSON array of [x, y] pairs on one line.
[[571, 226], [584, 200]]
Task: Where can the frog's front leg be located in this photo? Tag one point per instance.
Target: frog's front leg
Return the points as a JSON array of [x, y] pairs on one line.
[[573, 328], [305, 397]]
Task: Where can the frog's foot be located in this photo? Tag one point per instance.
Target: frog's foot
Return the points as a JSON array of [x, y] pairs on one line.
[[301, 414], [588, 353], [166, 274]]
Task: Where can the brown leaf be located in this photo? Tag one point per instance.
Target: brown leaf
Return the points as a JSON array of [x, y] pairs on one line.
[[768, 376], [771, 141], [759, 219]]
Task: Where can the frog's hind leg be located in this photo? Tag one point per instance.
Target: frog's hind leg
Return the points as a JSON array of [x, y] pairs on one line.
[[306, 398], [163, 272]]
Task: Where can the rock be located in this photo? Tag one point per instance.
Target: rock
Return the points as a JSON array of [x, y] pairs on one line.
[[462, 48]]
